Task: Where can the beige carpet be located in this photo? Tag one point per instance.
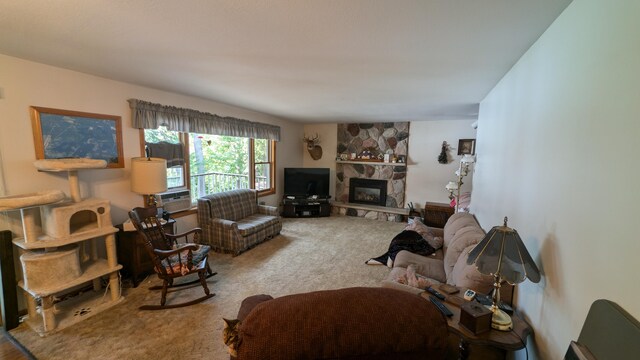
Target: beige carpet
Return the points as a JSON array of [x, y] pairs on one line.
[[309, 254]]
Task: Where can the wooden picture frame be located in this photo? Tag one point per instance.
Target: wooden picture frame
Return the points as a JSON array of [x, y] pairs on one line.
[[62, 134], [467, 146]]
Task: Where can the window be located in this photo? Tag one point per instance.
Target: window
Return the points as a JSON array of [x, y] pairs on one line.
[[175, 174], [219, 163]]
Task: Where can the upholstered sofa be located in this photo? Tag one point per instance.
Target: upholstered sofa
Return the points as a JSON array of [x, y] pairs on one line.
[[351, 323], [233, 222], [449, 263]]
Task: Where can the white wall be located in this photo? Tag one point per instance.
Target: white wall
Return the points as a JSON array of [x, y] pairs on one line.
[[556, 142], [328, 134], [426, 178], [27, 84]]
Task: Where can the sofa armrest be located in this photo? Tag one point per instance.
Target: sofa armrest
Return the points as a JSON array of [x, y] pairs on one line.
[[223, 223], [426, 266], [249, 303], [268, 210], [396, 285]]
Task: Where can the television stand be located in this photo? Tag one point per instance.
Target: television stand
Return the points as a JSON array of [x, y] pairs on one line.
[[306, 207]]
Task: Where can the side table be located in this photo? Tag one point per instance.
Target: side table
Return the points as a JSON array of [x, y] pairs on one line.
[[437, 214], [132, 253], [515, 339]]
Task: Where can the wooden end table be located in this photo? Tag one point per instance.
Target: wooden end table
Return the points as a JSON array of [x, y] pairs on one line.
[[512, 340], [437, 214], [132, 253]]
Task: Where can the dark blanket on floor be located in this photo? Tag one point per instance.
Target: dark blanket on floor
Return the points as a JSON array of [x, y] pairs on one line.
[[406, 240]]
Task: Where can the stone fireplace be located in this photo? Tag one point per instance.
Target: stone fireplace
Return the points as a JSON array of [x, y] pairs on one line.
[[373, 140], [368, 191]]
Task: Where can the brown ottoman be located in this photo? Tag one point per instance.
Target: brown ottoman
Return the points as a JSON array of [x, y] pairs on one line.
[[352, 323]]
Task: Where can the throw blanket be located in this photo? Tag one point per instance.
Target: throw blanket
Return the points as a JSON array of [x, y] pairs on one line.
[[407, 240]]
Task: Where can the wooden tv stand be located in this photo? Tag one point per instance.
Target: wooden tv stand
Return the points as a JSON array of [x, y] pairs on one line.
[[305, 207]]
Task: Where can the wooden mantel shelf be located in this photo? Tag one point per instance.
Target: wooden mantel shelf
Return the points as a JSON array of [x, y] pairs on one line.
[[400, 211], [372, 163]]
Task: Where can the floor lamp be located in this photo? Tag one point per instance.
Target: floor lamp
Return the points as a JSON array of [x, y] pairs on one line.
[[454, 186]]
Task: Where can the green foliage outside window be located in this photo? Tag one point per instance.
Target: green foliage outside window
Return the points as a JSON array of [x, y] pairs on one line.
[[219, 163]]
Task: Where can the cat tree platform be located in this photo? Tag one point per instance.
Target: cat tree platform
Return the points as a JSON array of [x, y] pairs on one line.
[[42, 269], [71, 166]]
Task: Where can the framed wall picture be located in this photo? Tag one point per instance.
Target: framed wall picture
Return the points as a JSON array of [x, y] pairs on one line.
[[467, 146], [61, 134]]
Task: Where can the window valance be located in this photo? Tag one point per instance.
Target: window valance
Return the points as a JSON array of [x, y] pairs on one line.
[[146, 115]]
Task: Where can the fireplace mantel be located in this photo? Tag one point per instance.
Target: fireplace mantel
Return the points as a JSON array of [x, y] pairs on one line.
[[372, 163]]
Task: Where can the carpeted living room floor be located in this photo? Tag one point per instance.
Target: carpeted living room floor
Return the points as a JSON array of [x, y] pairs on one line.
[[309, 254]]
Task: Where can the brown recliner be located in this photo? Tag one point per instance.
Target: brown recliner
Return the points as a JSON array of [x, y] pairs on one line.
[[351, 323]]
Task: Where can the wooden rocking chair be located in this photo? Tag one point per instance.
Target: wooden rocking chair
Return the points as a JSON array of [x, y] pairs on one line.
[[171, 257]]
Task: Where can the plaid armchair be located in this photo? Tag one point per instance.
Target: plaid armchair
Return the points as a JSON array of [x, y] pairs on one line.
[[233, 222]]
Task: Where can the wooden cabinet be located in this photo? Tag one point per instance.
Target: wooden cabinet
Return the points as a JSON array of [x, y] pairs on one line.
[[132, 253], [437, 214], [303, 208]]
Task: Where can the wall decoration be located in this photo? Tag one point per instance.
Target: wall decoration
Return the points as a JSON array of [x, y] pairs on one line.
[[314, 149], [467, 146], [443, 158], [61, 134]]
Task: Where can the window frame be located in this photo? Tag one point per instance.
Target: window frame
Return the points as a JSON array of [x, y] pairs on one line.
[[184, 139], [272, 166]]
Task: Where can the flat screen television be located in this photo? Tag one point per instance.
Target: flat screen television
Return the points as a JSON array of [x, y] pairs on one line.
[[306, 182]]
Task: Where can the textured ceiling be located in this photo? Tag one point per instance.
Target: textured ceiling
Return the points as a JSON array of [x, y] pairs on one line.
[[305, 60]]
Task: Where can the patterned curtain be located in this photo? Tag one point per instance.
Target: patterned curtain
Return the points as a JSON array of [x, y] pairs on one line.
[[148, 115]]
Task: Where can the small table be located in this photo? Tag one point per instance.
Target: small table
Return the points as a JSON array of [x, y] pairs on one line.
[[437, 214], [515, 339], [132, 253]]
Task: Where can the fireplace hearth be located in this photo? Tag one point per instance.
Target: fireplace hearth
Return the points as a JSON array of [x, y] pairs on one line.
[[368, 191]]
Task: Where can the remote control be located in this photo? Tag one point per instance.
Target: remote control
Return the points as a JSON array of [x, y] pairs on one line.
[[435, 293], [443, 309]]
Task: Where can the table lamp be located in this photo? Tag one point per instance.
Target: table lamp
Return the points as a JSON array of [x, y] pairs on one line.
[[502, 254], [148, 177]]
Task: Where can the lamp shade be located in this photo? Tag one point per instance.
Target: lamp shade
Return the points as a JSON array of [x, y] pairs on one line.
[[452, 185], [502, 252], [148, 175], [468, 159]]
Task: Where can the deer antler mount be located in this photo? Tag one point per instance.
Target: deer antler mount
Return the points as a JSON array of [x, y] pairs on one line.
[[312, 146]]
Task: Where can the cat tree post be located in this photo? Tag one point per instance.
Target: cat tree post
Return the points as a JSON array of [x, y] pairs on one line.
[[114, 284], [29, 227], [74, 185]]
